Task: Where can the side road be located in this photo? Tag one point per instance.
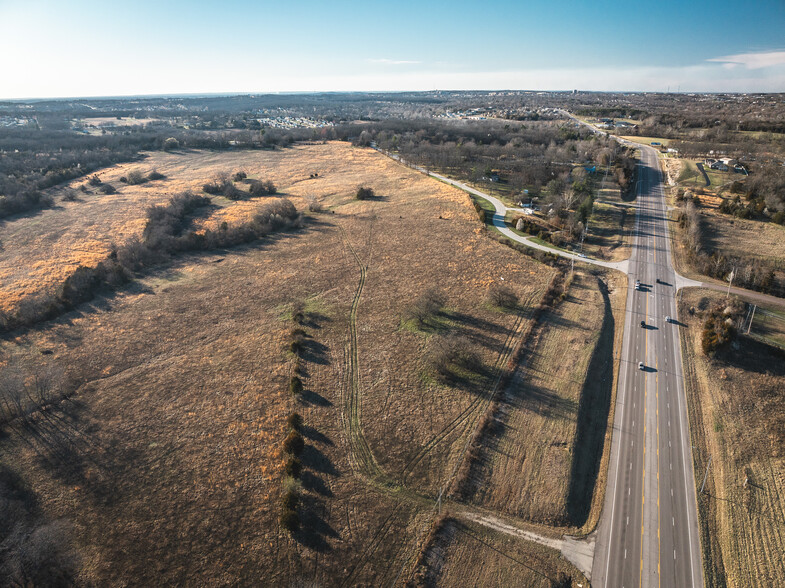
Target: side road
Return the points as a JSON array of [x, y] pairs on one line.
[[499, 215]]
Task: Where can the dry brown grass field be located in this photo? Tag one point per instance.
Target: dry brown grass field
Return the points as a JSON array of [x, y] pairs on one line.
[[165, 458], [542, 463], [743, 237], [737, 420], [464, 553]]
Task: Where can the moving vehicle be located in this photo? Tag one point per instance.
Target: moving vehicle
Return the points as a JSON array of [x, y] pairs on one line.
[[637, 284], [668, 319], [640, 365], [643, 324]]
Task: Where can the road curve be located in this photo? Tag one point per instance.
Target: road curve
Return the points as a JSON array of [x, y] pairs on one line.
[[499, 215]]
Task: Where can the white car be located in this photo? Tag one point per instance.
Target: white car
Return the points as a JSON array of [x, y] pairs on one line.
[[667, 319], [637, 284], [640, 365]]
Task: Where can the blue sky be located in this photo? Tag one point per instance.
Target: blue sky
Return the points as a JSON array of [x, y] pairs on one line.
[[90, 48]]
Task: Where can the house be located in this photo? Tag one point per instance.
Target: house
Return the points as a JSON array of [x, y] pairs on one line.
[[719, 166], [740, 169]]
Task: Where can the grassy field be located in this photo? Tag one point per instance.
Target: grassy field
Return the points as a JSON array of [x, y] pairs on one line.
[[166, 458], [543, 460], [737, 419], [768, 324], [465, 553], [742, 237]]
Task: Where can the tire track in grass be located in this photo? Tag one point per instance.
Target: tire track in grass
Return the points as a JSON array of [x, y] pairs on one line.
[[361, 455]]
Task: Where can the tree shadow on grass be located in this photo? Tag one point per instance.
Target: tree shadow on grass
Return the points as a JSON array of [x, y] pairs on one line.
[[65, 448], [311, 398], [315, 460], [593, 410], [314, 530], [314, 435]]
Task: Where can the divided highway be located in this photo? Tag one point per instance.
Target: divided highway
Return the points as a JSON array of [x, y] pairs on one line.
[[648, 534]]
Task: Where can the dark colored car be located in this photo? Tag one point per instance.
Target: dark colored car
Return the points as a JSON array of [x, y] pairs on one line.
[[643, 323]]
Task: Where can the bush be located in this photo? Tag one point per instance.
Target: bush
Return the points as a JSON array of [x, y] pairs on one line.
[[294, 467], [239, 176], [171, 143], [778, 217], [364, 193], [262, 188], [155, 175], [94, 181], [448, 354], [295, 421], [135, 177], [107, 189], [502, 296], [295, 385], [427, 306], [294, 443], [314, 205], [289, 520]]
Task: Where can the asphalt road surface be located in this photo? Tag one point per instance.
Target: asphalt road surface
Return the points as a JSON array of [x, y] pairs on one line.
[[648, 534]]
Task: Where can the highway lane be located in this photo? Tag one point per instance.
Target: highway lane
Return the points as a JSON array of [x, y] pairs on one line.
[[648, 534]]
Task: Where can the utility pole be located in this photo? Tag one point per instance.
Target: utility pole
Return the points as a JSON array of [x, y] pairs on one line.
[[754, 307], [705, 475]]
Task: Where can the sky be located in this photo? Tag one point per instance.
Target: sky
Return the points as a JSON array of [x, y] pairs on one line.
[[75, 48]]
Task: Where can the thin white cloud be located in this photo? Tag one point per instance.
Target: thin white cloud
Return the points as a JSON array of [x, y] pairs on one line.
[[393, 61], [752, 60]]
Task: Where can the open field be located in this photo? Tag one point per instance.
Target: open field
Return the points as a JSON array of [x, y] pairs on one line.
[[39, 251], [542, 460], [465, 553], [768, 324], [737, 420], [742, 237], [165, 458]]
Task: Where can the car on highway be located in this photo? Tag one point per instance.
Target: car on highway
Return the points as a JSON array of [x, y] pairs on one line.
[[668, 319], [637, 284], [640, 365], [643, 324]]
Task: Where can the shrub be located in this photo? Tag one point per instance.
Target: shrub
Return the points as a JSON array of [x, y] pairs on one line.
[[778, 217], [155, 175], [294, 467], [290, 499], [171, 143], [294, 443], [107, 189], [314, 205], [231, 191], [262, 188], [69, 196], [502, 296], [428, 305], [94, 181], [295, 421], [289, 520], [295, 385], [446, 354], [364, 192], [135, 177], [239, 176]]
